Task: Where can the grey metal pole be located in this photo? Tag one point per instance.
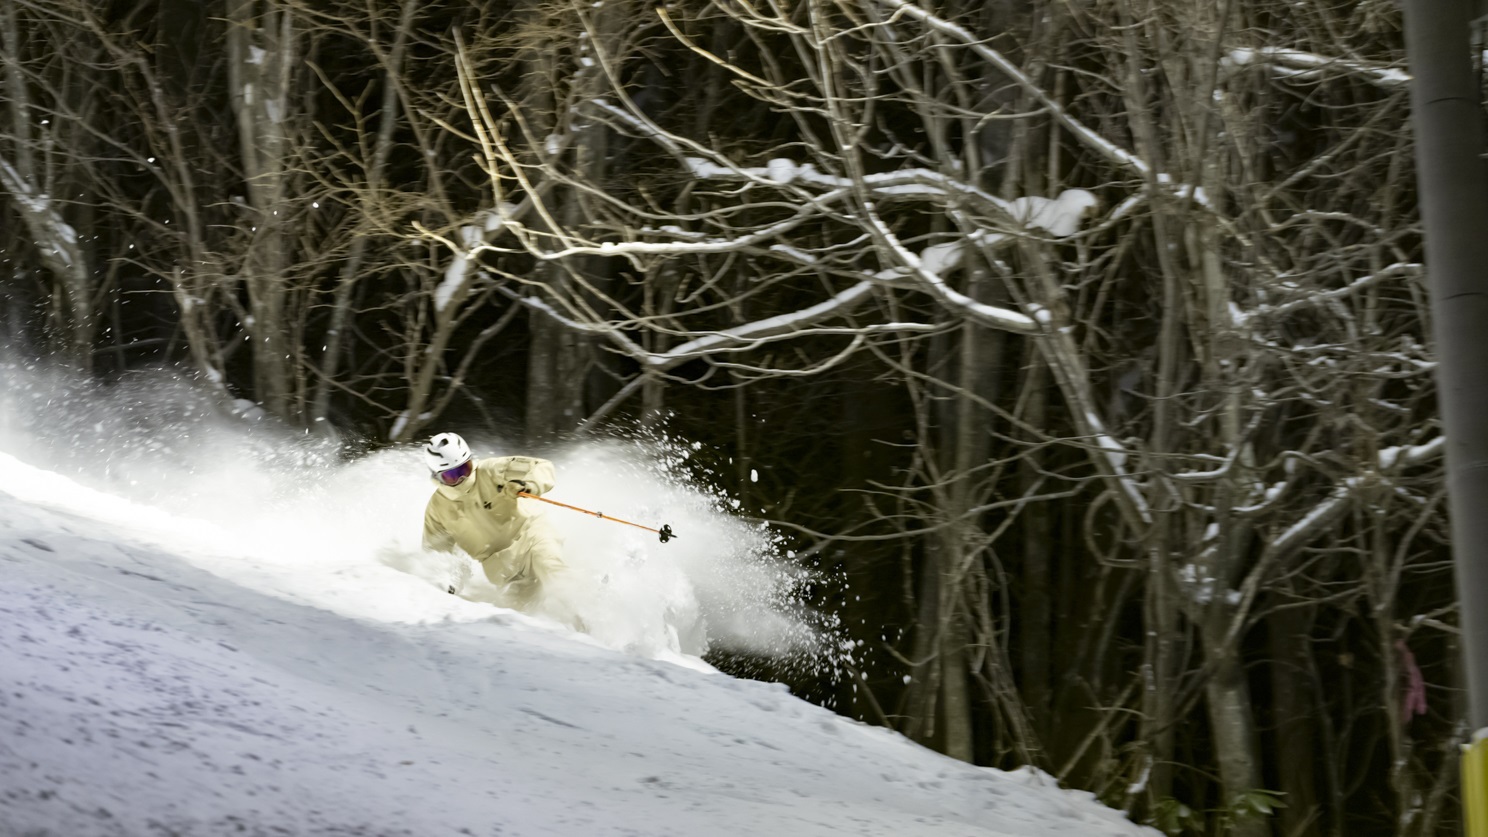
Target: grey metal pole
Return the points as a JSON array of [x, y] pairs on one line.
[[1450, 141]]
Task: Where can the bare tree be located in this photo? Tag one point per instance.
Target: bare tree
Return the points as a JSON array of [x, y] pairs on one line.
[[1200, 496], [1088, 339], [49, 97], [263, 53]]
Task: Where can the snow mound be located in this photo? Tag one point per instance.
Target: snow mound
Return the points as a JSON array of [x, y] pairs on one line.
[[141, 694]]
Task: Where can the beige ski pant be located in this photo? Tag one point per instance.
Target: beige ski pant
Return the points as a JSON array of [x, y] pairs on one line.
[[524, 569]]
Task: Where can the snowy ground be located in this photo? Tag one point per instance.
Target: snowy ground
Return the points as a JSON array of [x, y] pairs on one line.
[[204, 651]]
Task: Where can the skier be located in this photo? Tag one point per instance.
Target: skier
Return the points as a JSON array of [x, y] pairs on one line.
[[475, 507]]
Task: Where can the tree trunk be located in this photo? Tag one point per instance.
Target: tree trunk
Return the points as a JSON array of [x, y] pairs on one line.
[[261, 43], [555, 372], [1035, 621], [1292, 702], [1227, 696], [554, 396], [56, 240]]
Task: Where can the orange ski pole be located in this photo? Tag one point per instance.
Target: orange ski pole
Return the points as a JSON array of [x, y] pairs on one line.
[[665, 531]]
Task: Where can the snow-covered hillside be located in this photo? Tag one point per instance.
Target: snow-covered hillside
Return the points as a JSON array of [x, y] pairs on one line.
[[211, 649]]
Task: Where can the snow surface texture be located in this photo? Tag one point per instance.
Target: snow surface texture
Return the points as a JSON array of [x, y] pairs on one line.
[[216, 650]]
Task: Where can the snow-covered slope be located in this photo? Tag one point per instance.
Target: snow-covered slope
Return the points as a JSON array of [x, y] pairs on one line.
[[168, 674]]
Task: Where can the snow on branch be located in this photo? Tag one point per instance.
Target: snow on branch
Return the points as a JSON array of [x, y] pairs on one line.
[[796, 322], [458, 275], [1089, 137], [602, 328], [784, 172], [935, 286], [758, 330], [988, 315], [1296, 63], [1095, 141], [42, 217], [1060, 216], [1404, 457], [1322, 515], [641, 126], [630, 249], [1293, 538], [1116, 455], [1311, 524], [1328, 509], [1397, 269]]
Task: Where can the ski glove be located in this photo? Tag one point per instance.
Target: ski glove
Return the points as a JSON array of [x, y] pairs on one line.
[[512, 487]]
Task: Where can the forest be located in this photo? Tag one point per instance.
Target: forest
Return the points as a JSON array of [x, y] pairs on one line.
[[1083, 345]]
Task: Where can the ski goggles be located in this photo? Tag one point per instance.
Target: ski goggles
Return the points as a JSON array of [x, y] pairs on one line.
[[456, 475]]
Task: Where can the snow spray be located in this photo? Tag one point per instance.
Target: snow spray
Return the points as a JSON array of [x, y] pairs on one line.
[[336, 524]]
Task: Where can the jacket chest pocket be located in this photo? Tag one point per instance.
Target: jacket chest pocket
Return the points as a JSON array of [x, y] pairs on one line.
[[518, 467]]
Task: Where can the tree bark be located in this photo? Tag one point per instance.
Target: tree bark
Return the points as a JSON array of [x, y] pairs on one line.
[[1035, 620], [262, 55], [57, 242], [1292, 702]]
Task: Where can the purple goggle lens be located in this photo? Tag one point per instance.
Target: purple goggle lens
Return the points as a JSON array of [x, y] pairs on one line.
[[455, 475]]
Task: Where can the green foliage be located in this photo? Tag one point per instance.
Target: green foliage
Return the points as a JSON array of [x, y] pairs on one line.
[[1258, 802], [1175, 818]]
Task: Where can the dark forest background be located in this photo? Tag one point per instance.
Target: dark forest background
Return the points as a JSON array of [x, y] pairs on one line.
[[1085, 341]]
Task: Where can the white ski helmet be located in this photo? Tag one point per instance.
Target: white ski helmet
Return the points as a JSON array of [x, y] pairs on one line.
[[446, 451]]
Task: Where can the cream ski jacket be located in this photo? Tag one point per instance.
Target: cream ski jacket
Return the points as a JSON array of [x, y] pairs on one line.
[[478, 517]]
